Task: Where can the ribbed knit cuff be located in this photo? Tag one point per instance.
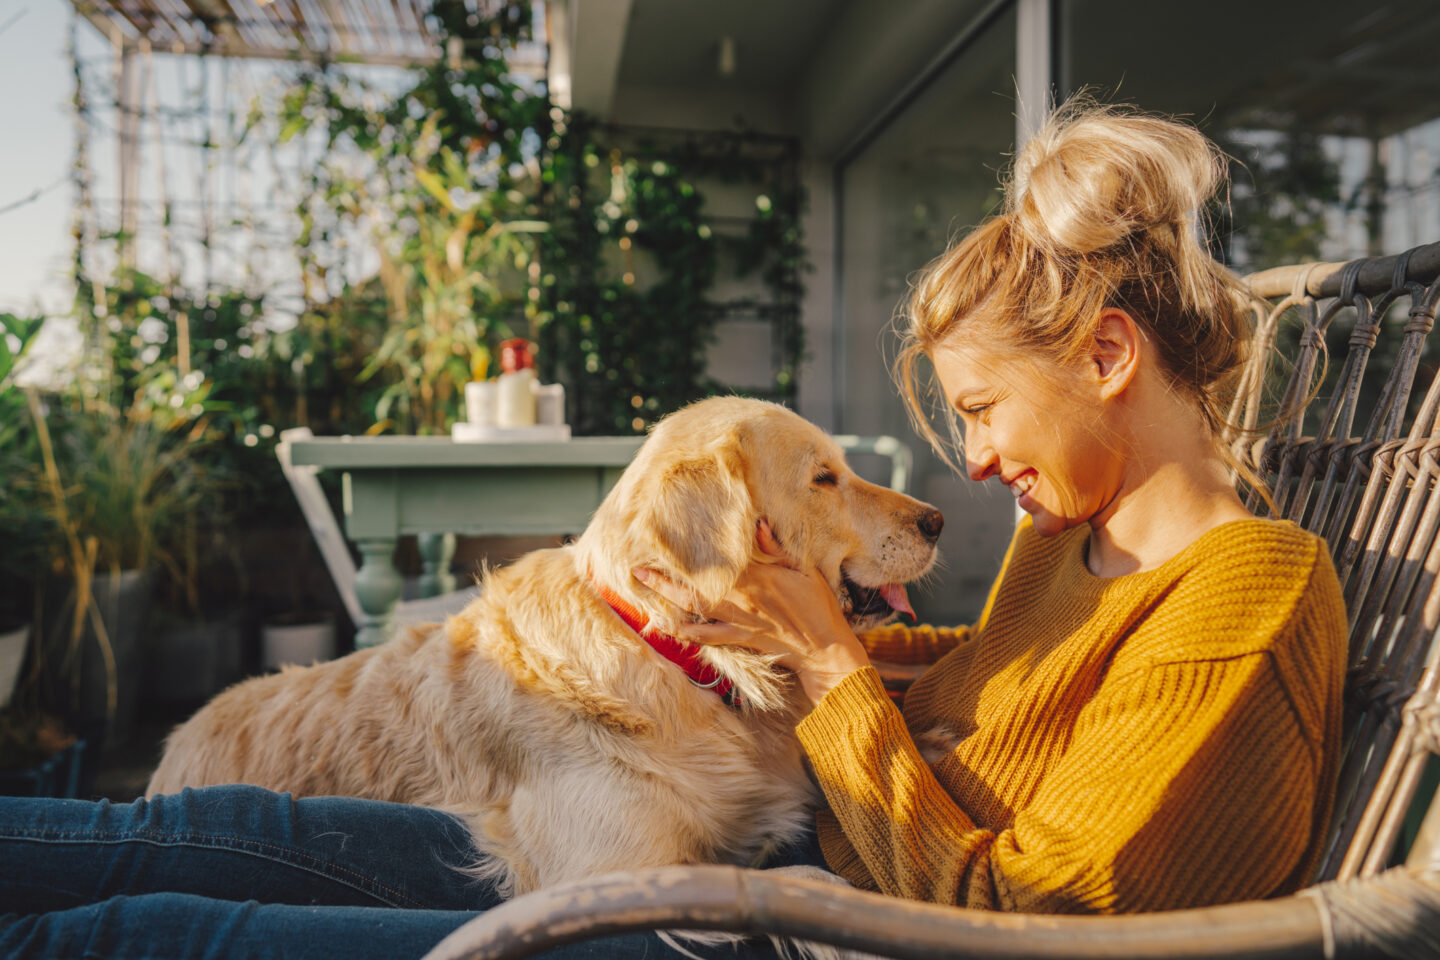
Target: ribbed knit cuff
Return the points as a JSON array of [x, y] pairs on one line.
[[840, 854], [891, 643], [853, 718]]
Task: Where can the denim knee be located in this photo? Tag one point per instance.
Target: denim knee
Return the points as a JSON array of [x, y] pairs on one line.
[[236, 843]]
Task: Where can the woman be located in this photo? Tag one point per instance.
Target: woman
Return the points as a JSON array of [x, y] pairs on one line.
[[1145, 716]]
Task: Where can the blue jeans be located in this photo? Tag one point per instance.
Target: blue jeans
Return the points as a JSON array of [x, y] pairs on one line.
[[238, 871]]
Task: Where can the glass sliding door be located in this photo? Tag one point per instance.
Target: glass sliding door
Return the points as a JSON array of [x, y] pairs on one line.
[[1329, 108], [929, 174]]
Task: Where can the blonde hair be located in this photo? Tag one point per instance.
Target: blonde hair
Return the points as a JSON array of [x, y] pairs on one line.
[[1103, 208]]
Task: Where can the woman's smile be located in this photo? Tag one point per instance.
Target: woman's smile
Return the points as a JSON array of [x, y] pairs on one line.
[[1022, 484], [1057, 465]]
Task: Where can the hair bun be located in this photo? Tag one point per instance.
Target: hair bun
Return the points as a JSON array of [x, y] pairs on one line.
[[1095, 175], [1103, 209]]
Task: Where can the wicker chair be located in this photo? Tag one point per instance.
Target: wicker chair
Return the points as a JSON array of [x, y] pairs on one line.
[[1361, 469]]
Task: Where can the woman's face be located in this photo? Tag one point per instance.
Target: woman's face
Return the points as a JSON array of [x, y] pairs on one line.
[[1040, 427]]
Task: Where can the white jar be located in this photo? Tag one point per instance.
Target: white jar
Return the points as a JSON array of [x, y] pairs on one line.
[[481, 397], [515, 403], [550, 404]]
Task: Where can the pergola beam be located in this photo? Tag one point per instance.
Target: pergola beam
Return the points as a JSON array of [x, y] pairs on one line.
[[127, 128], [105, 25], [220, 22], [351, 32], [386, 33]]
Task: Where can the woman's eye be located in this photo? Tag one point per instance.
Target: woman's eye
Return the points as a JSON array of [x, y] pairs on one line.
[[825, 478], [980, 411]]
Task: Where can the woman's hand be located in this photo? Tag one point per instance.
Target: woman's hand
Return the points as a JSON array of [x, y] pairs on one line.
[[778, 610]]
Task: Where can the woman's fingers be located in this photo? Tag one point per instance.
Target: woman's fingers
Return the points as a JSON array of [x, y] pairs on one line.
[[767, 541], [774, 609], [718, 634], [726, 625], [683, 598], [663, 585]]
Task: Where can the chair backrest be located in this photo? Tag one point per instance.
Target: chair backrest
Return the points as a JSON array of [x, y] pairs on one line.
[[1360, 468], [305, 483]]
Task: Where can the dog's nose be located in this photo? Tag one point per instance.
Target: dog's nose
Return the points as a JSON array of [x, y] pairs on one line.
[[931, 522]]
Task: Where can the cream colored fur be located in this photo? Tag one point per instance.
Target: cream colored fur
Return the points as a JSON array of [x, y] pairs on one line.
[[567, 744]]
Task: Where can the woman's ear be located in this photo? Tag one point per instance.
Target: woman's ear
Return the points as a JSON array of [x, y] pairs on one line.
[[1116, 351]]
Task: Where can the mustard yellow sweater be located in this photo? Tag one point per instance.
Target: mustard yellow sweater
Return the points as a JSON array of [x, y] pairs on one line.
[[1160, 740]]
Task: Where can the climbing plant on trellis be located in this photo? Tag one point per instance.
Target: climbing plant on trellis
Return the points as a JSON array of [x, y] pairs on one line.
[[623, 203]]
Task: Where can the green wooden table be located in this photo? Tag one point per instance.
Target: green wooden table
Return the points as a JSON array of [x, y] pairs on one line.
[[435, 488]]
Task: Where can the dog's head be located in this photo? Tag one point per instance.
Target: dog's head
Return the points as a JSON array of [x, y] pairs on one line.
[[689, 503]]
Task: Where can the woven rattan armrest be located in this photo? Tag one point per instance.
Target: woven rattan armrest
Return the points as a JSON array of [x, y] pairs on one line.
[[757, 902]]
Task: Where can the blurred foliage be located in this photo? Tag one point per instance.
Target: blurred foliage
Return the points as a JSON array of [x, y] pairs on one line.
[[628, 314], [119, 485], [162, 442], [495, 215], [437, 180], [1283, 186], [439, 219], [1285, 200], [23, 518], [207, 371]]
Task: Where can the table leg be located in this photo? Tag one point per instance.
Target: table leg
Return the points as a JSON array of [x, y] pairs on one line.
[[436, 551], [377, 585]]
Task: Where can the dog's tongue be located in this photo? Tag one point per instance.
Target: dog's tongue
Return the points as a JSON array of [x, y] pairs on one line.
[[899, 600]]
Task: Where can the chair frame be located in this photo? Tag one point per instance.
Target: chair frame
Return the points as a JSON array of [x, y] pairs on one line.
[[1373, 491]]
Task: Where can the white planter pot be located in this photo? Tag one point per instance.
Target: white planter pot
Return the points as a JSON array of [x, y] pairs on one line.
[[299, 643], [12, 658]]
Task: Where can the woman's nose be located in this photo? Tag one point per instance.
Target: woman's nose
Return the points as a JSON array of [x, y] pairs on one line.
[[981, 469], [980, 460]]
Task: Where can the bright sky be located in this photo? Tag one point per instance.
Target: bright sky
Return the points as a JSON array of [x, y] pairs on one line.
[[38, 144]]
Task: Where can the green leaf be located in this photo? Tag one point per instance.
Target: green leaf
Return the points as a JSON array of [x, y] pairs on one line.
[[435, 187], [395, 392], [291, 127]]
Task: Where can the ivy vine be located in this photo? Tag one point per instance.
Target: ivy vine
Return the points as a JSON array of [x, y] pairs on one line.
[[629, 312]]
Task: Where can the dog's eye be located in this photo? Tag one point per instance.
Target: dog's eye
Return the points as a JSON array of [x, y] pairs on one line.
[[825, 478]]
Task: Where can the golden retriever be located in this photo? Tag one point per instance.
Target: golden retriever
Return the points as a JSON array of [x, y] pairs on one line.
[[569, 746]]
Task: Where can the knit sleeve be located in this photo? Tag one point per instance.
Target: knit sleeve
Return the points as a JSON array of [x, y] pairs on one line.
[[1172, 776], [921, 644]]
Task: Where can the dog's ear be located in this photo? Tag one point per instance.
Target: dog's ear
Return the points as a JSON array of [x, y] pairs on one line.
[[701, 520], [682, 508]]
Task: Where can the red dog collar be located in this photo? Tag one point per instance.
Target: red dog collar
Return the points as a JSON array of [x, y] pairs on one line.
[[684, 655]]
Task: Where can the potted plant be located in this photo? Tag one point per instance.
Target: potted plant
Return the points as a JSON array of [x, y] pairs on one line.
[[23, 524], [24, 529], [118, 485], [39, 756]]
